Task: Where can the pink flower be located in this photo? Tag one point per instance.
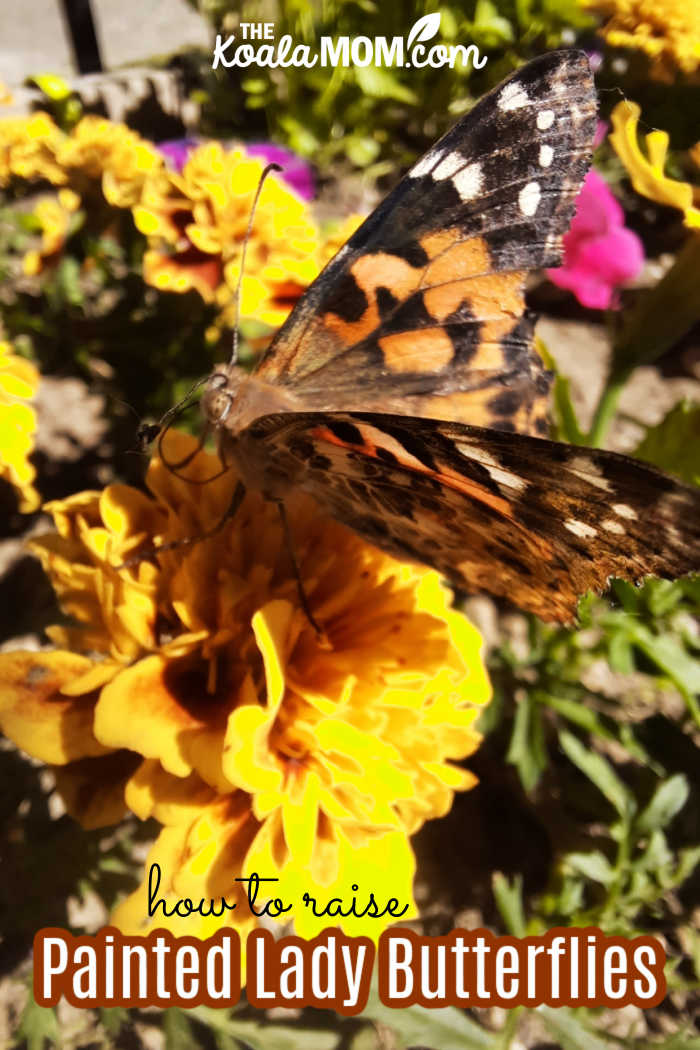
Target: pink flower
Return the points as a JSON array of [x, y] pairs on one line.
[[600, 254]]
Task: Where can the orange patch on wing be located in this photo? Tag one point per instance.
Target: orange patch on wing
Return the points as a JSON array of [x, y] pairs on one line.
[[379, 270], [426, 350]]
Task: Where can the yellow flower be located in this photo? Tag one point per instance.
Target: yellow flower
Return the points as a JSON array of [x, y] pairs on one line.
[[35, 148], [668, 31], [18, 382], [647, 172], [196, 223], [54, 215], [113, 153], [28, 148], [197, 682]]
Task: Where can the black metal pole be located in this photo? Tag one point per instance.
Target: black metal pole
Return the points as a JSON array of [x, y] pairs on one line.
[[81, 26]]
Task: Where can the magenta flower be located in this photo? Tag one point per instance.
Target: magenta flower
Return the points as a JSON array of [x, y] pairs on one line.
[[295, 171], [176, 152], [600, 254]]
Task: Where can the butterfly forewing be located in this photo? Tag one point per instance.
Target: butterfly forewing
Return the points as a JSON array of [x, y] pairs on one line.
[[422, 312]]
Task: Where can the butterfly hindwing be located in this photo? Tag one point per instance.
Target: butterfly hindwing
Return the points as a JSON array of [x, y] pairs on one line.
[[535, 521], [422, 312]]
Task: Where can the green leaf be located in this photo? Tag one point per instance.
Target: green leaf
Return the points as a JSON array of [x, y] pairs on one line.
[[113, 1018], [509, 901], [565, 414], [177, 1030], [580, 715], [599, 772], [674, 444], [670, 656], [527, 751], [381, 83], [447, 1028], [571, 1030], [38, 1024], [668, 799], [594, 866], [267, 1035]]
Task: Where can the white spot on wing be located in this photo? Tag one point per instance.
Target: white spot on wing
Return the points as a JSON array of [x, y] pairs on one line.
[[613, 526], [584, 467], [448, 166], [546, 156], [579, 528], [529, 198], [623, 511], [513, 96], [545, 119], [424, 165], [496, 472], [468, 182]]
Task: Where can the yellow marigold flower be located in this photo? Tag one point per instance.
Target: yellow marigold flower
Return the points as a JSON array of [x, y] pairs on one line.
[[196, 222], [18, 382], [668, 31], [54, 215], [113, 153], [201, 688], [28, 148], [647, 172]]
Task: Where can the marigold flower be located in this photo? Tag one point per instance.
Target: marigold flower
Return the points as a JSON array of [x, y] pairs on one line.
[[196, 223], [668, 31], [647, 172], [202, 691], [28, 148], [18, 382], [600, 254], [55, 216], [113, 153]]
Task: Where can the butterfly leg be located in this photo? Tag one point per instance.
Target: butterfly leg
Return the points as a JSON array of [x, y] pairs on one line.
[[289, 543], [186, 541]]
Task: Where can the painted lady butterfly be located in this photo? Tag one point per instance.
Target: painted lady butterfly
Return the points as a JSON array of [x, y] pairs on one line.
[[403, 392]]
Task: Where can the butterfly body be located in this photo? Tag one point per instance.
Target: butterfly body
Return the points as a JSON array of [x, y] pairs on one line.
[[403, 391]]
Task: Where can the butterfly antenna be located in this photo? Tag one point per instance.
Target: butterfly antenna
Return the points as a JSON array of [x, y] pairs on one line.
[[237, 297]]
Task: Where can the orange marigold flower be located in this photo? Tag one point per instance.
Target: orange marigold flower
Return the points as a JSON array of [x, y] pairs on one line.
[[18, 382], [668, 31], [200, 687], [196, 222], [647, 172]]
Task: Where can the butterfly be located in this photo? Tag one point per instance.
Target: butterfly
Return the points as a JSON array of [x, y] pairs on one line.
[[403, 392]]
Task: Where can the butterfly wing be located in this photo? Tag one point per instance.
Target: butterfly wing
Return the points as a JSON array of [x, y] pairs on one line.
[[422, 312], [535, 521]]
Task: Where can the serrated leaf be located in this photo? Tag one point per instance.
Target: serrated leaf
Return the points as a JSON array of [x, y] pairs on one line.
[[599, 772], [447, 1028], [571, 1030], [424, 29], [674, 444], [38, 1024], [668, 799]]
